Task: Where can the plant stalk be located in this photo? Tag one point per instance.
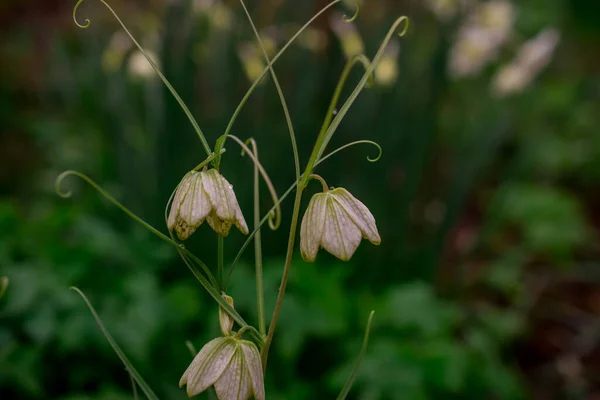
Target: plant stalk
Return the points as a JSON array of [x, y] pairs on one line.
[[284, 277], [220, 251]]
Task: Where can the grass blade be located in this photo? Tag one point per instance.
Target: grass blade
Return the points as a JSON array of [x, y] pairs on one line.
[[361, 355], [132, 371]]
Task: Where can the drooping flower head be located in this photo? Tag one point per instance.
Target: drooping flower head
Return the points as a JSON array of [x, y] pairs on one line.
[[232, 365], [205, 195], [336, 221]]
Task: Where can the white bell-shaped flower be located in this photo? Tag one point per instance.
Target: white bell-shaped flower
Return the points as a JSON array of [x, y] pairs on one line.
[[232, 365], [336, 221], [205, 195]]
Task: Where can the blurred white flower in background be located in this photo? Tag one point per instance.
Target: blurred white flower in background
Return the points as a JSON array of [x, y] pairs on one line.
[[534, 55], [139, 67], [479, 39]]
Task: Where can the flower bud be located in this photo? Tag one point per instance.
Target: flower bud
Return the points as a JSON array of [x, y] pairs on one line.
[[205, 195], [336, 221], [232, 365], [225, 319]]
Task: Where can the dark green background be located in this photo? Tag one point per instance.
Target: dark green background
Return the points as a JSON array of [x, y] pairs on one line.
[[484, 286]]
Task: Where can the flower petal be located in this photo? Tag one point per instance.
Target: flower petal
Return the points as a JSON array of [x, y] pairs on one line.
[[341, 236], [200, 204], [223, 200], [218, 224], [359, 213], [180, 193], [185, 224], [254, 367], [234, 383], [208, 365], [311, 229]]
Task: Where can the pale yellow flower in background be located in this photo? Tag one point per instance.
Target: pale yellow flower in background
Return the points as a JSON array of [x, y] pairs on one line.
[[252, 61], [497, 18], [336, 221], [386, 72], [205, 195], [346, 32], [233, 366]]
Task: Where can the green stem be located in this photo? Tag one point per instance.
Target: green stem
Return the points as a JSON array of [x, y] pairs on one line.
[[286, 111], [326, 137], [284, 278], [330, 112], [260, 299], [262, 75], [361, 355], [220, 251], [155, 68]]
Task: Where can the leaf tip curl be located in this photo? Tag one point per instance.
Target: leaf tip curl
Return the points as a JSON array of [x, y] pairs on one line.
[[86, 22], [58, 184], [406, 21], [353, 18]]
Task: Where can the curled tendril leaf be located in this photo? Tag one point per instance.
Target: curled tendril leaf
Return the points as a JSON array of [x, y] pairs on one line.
[[361, 355], [406, 21], [379, 149], [86, 23], [353, 18]]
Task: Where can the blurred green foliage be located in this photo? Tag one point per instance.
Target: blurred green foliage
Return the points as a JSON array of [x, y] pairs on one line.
[[475, 195]]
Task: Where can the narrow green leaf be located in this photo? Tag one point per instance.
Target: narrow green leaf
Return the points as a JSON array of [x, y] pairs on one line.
[[132, 371], [361, 355]]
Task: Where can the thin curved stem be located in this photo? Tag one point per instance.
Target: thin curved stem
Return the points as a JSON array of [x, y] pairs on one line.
[[258, 262], [253, 156], [286, 111], [320, 179], [185, 109], [369, 159], [263, 74]]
